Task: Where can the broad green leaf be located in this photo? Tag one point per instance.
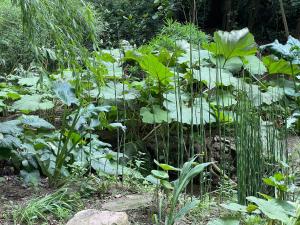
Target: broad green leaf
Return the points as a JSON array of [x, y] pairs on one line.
[[237, 43], [110, 58], [224, 221], [101, 164], [233, 65], [9, 143], [213, 77], [113, 69], [5, 91], [166, 58], [46, 161], [269, 181], [111, 55], [193, 58], [13, 96], [89, 116], [280, 66], [28, 81], [166, 184], [272, 209], [258, 97], [235, 207], [154, 115], [107, 57], [223, 99], [66, 74], [290, 51], [36, 122], [160, 174], [2, 104], [32, 103], [156, 70], [273, 94], [291, 92], [166, 167], [3, 85], [118, 91], [254, 65], [252, 208], [182, 111], [65, 93], [153, 180], [224, 116], [279, 176], [74, 137], [11, 127], [288, 207]]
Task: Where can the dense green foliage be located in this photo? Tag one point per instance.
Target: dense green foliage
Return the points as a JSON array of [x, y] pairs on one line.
[[121, 23], [14, 44], [47, 34], [160, 97], [113, 112]]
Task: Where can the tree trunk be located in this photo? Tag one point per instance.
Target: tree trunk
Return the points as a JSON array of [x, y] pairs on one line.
[[227, 12], [286, 28], [194, 12], [298, 29], [254, 6]]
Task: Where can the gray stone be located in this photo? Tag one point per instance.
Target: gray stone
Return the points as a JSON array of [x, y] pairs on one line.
[[128, 202], [96, 217]]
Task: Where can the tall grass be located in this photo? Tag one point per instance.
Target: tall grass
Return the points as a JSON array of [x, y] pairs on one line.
[[60, 205], [249, 149]]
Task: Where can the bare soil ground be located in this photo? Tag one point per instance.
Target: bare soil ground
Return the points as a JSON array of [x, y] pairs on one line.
[[13, 193]]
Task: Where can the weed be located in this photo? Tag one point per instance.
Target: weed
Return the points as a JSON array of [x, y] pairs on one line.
[[59, 205], [187, 173]]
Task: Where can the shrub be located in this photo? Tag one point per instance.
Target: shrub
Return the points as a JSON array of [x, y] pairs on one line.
[[131, 20], [14, 47], [178, 31], [174, 31]]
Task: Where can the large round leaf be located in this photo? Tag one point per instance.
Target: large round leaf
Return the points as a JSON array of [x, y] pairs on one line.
[[32, 103], [36, 122], [116, 91], [274, 209], [224, 221], [181, 111], [154, 115], [290, 51], [254, 65], [236, 43], [64, 92], [213, 77], [280, 66]]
